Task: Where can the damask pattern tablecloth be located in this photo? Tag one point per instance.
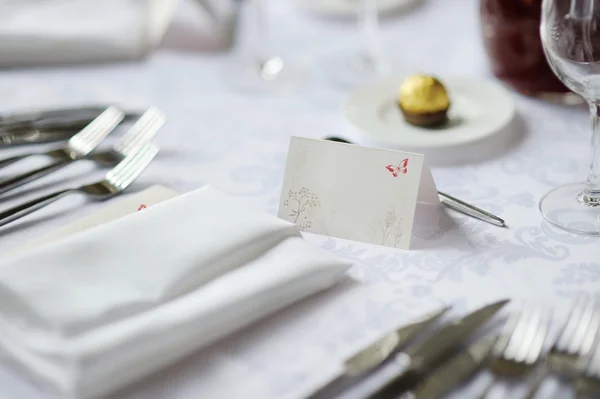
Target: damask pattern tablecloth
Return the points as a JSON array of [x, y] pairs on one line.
[[238, 142]]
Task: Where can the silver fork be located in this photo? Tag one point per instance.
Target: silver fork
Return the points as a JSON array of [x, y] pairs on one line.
[[83, 142], [115, 181], [575, 341], [142, 132], [519, 350]]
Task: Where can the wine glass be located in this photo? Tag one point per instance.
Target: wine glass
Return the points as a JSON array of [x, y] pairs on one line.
[[571, 41], [356, 66], [257, 68]]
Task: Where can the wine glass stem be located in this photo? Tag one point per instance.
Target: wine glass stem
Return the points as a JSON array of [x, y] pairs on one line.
[[591, 194], [261, 39], [368, 21]]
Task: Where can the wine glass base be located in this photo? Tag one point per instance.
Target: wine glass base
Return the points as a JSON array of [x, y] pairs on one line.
[[567, 98], [564, 208], [272, 75], [348, 70]]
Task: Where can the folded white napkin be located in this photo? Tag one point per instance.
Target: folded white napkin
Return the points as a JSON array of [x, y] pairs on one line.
[[62, 31], [93, 312], [45, 32], [202, 25]]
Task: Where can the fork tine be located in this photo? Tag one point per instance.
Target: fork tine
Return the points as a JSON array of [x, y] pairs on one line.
[[569, 328], [140, 165], [593, 368], [535, 350], [512, 349], [508, 330], [91, 135], [587, 345], [532, 325], [587, 317], [141, 132], [114, 116], [591, 365], [132, 166], [529, 334], [121, 168]]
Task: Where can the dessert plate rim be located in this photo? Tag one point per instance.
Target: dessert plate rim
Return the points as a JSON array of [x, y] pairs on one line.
[[479, 109]]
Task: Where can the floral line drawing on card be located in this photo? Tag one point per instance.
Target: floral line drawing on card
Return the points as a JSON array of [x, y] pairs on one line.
[[299, 204], [388, 228], [388, 223]]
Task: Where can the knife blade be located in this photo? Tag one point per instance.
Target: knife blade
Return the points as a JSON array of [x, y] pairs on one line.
[[453, 372], [376, 353], [418, 359]]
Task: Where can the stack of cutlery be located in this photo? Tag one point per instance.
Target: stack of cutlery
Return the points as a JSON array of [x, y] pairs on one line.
[[82, 130], [47, 126], [419, 361]]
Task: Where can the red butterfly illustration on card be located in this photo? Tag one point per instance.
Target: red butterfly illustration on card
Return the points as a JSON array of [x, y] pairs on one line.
[[397, 170]]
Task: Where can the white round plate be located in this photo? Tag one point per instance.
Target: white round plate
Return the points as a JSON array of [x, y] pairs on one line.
[[349, 8], [478, 109]]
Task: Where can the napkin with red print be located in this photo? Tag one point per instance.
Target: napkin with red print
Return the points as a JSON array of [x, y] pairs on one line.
[[98, 310]]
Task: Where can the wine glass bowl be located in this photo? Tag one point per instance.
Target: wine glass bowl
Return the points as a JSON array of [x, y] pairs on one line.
[[258, 69], [571, 41], [349, 68]]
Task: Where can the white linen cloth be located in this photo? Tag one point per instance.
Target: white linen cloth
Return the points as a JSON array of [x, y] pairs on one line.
[[238, 143], [98, 310]]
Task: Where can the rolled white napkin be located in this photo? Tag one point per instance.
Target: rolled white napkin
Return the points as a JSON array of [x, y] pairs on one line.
[[203, 25], [34, 32], [101, 309]]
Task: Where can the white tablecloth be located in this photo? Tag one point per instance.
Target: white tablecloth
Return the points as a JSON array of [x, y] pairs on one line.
[[238, 143]]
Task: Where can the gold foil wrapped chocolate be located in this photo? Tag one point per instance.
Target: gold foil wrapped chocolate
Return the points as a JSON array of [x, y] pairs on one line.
[[420, 93], [424, 101]]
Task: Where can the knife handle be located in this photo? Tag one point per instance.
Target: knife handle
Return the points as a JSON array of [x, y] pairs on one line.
[[24, 178], [445, 378], [12, 214], [375, 385], [471, 210], [11, 160], [404, 380], [29, 117]]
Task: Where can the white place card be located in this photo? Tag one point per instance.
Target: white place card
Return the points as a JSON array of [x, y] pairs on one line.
[[357, 193]]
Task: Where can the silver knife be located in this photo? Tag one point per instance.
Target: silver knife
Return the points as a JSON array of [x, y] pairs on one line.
[[55, 118], [29, 117], [376, 353], [368, 358], [34, 136], [57, 128], [471, 210], [409, 366], [453, 372]]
